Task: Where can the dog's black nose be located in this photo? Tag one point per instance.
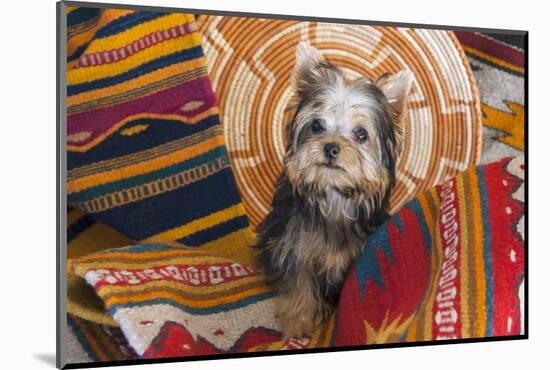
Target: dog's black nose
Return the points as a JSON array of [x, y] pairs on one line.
[[331, 151]]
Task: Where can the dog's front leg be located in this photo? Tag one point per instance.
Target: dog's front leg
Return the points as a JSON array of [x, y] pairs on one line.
[[300, 306]]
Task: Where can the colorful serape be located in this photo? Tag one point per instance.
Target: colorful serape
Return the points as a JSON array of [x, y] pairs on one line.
[[498, 63], [146, 149], [146, 154], [447, 266]]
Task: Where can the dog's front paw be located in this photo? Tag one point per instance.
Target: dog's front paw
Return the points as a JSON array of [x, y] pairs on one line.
[[298, 326], [299, 320]]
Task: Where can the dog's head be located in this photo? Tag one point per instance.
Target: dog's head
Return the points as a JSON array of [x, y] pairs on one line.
[[345, 136]]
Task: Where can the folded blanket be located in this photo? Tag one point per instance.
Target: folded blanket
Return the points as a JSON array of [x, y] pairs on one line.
[[448, 265], [146, 152]]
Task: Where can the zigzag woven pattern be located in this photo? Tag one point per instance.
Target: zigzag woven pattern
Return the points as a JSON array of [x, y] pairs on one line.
[[454, 256], [146, 149]]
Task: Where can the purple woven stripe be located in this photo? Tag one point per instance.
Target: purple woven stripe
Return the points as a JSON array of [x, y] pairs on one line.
[[169, 101]]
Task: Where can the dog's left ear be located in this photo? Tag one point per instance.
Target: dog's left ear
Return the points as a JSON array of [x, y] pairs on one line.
[[396, 88]]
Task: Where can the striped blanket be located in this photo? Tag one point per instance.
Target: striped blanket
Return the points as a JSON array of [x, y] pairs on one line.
[[447, 266], [160, 263], [144, 137], [146, 155]]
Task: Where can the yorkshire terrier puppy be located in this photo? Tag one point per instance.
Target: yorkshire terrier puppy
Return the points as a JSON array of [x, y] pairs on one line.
[[343, 143]]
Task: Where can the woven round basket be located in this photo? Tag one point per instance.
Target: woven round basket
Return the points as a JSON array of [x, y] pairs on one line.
[[250, 63]]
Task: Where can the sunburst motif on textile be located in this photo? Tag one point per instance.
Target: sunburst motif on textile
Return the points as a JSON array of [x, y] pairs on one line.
[[510, 123], [388, 332]]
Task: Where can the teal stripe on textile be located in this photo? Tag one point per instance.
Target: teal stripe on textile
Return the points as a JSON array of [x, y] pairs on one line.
[[193, 310], [143, 248], [91, 193], [416, 207], [126, 22], [81, 15], [487, 252]]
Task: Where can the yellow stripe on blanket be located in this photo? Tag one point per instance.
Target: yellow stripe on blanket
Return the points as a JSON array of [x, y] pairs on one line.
[[125, 264], [464, 254], [252, 282], [137, 32], [143, 167], [494, 60], [225, 299], [143, 256], [197, 225], [89, 74], [479, 267]]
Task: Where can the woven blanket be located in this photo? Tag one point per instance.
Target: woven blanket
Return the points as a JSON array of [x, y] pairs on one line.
[[447, 266], [498, 63], [146, 150], [146, 156]]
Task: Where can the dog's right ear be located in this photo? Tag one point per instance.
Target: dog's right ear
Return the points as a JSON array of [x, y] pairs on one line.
[[311, 68], [396, 88]]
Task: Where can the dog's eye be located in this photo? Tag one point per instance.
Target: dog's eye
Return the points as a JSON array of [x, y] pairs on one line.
[[317, 127], [361, 135]]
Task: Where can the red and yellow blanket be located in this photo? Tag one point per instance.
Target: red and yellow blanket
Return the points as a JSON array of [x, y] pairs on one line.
[[447, 266]]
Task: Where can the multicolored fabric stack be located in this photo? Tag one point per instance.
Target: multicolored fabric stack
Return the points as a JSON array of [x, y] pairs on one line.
[[159, 242], [447, 266], [146, 154], [146, 149]]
